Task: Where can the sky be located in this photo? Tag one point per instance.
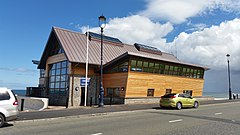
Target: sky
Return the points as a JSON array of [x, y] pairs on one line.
[[195, 31]]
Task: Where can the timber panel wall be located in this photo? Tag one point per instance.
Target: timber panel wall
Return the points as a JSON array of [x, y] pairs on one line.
[[115, 80], [80, 69], [139, 83]]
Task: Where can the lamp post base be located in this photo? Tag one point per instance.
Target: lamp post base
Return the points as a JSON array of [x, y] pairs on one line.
[[230, 95], [101, 93]]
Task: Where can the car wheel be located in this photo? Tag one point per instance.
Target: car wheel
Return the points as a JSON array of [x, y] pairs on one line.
[[179, 105], [2, 121], [195, 104], [161, 106]]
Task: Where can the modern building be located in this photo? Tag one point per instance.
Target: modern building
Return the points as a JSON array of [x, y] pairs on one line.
[[131, 73]]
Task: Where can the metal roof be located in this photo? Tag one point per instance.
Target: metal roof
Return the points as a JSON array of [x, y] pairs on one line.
[[74, 45]]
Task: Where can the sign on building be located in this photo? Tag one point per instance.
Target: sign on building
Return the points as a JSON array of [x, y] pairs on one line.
[[83, 80]]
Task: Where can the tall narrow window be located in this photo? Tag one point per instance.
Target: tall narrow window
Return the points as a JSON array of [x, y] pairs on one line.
[[145, 66], [166, 70], [151, 66], [139, 65], [133, 65], [156, 68]]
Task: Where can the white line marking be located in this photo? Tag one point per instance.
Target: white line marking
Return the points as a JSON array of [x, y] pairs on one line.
[[219, 113], [97, 134], [172, 121]]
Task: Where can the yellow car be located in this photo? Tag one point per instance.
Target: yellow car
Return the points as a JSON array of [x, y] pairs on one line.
[[178, 101]]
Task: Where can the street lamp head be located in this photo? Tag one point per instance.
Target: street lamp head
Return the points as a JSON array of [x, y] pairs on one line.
[[228, 55], [102, 21]]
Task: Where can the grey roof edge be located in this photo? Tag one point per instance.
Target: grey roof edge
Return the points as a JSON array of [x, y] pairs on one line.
[[55, 27]]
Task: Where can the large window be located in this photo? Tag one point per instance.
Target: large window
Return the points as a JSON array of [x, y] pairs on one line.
[[58, 78], [122, 67], [113, 92], [156, 67]]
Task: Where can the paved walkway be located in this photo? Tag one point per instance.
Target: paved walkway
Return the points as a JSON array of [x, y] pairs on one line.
[[55, 112]]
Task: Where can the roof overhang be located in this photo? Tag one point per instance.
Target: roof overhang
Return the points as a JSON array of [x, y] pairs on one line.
[[124, 55]]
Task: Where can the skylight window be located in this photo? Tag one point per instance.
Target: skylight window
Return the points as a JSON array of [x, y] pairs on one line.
[[95, 36], [148, 49]]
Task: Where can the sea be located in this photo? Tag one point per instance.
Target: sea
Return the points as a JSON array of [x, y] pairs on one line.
[[216, 94], [19, 92]]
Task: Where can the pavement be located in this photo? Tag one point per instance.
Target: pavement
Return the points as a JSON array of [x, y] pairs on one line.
[[62, 112]]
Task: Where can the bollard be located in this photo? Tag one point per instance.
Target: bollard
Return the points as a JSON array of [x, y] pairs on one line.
[[67, 103], [90, 101], [22, 104], [111, 100], [237, 96]]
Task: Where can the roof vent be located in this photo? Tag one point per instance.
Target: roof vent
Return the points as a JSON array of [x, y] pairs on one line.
[[106, 39], [148, 49]]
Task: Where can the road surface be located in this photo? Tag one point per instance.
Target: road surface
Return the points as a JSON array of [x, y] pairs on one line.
[[216, 119]]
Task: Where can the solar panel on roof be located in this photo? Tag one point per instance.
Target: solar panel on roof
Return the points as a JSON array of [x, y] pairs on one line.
[[106, 38], [149, 49]]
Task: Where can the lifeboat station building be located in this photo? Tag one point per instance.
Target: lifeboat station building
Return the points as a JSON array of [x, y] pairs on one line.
[[131, 73]]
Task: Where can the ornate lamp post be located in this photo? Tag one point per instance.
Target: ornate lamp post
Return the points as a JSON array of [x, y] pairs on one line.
[[229, 81], [102, 24]]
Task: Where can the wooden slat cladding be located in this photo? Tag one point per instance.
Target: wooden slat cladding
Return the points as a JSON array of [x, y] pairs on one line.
[[80, 69], [139, 83], [115, 80], [56, 58]]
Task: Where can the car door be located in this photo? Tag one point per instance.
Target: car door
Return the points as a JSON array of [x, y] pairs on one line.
[[183, 100], [189, 101]]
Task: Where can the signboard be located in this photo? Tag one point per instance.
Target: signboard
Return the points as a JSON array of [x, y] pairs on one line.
[[83, 80]]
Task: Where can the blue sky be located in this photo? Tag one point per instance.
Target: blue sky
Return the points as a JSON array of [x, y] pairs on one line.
[[200, 32]]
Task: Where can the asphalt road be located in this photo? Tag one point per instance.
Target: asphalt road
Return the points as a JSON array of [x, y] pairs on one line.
[[213, 119], [95, 110]]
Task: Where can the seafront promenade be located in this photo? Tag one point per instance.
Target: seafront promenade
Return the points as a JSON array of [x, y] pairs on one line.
[[62, 112]]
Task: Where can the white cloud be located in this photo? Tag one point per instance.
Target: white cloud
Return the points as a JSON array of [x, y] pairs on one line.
[[136, 28], [178, 11], [210, 46]]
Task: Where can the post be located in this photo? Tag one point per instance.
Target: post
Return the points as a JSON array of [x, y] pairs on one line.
[[102, 24], [91, 101], [229, 81], [67, 102], [101, 92], [86, 79], [22, 104]]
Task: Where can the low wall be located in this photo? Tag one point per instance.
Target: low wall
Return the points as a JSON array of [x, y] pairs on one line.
[[32, 103], [141, 100], [156, 100]]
